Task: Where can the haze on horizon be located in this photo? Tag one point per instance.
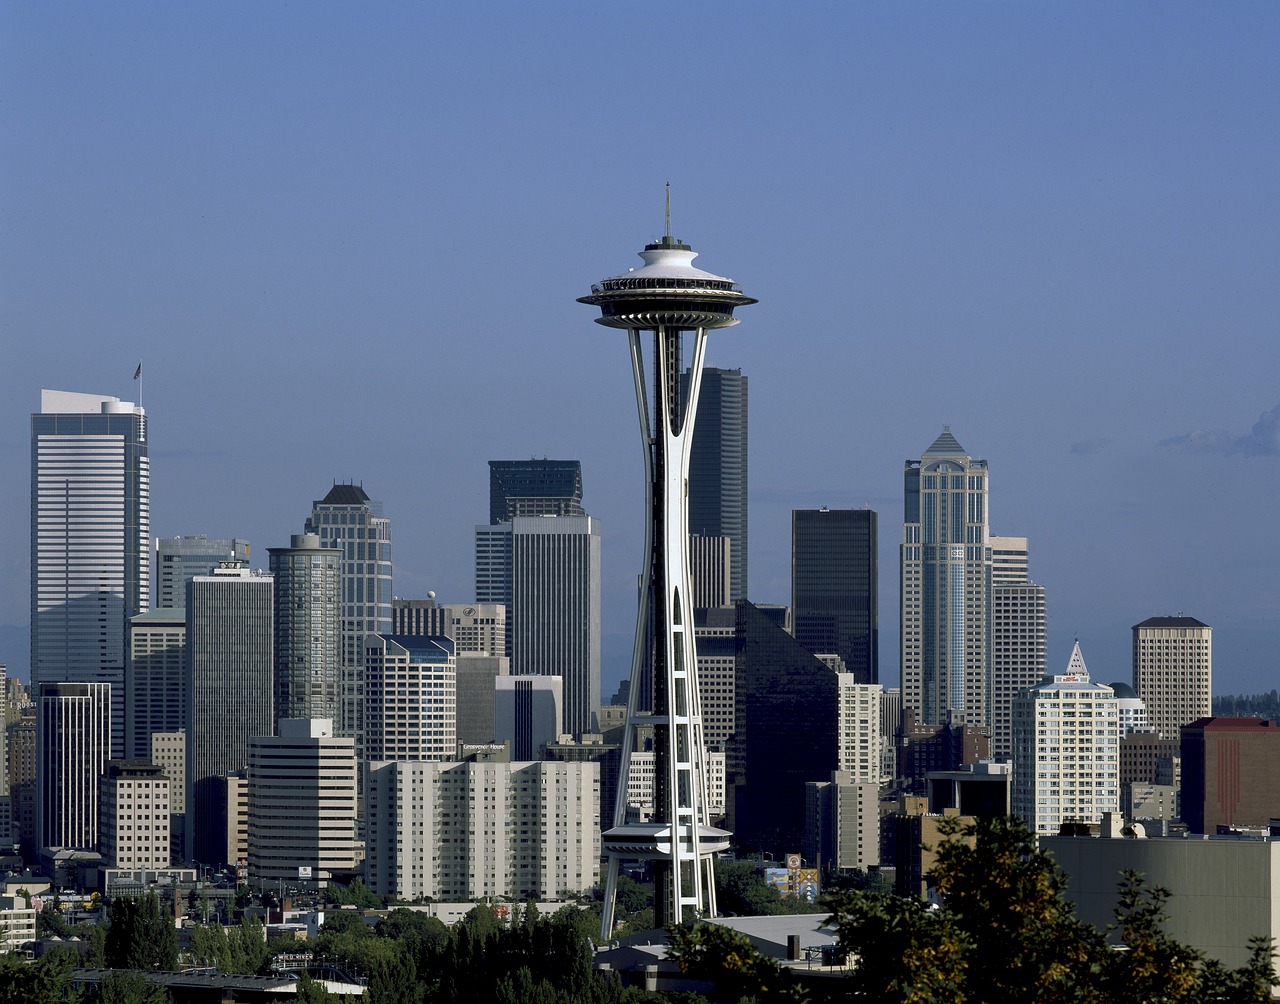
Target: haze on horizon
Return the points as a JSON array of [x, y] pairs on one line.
[[346, 243]]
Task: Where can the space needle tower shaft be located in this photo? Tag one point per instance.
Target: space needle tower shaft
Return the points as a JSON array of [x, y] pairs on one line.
[[666, 298]]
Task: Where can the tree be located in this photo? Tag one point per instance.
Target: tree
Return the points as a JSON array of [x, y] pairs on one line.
[[46, 980], [124, 986], [1004, 932], [729, 959], [742, 891], [140, 935]]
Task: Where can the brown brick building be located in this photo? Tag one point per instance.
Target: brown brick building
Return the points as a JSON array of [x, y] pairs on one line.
[[1230, 773]]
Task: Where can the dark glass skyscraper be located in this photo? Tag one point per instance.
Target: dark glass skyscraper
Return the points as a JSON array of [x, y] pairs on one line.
[[718, 469], [786, 718], [534, 488], [834, 596]]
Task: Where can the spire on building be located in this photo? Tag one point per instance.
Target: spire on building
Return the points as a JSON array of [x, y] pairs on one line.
[[1075, 665]]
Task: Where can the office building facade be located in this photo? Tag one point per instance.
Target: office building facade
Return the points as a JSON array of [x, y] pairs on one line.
[[73, 738], [710, 571], [546, 571], [90, 540], [179, 559], [534, 488], [718, 469], [528, 714], [1173, 671], [134, 815], [411, 698], [230, 668], [834, 592], [945, 573], [1017, 638], [302, 804], [155, 677], [348, 519], [308, 625]]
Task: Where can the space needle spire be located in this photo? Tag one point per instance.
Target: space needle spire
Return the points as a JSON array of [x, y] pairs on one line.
[[666, 297]]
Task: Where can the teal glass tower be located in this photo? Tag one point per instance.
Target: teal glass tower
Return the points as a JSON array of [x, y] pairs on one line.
[[666, 298]]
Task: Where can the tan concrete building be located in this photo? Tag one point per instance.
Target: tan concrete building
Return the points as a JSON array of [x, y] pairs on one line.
[[133, 816], [1173, 671]]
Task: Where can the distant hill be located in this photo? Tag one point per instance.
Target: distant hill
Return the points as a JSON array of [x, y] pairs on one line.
[[1252, 706]]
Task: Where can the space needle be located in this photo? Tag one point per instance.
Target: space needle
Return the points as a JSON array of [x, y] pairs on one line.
[[667, 297]]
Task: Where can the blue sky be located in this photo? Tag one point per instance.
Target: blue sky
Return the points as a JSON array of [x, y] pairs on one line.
[[346, 240]]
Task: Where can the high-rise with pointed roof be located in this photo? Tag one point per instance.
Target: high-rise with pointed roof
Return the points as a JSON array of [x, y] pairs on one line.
[[1066, 750], [346, 518], [945, 576]]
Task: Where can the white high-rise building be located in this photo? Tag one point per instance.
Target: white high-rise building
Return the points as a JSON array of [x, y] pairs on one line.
[[411, 704], [90, 540], [945, 575], [859, 752], [1173, 671], [302, 804], [546, 570], [1066, 750], [348, 519], [479, 830]]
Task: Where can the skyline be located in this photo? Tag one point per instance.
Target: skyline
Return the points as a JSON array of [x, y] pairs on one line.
[[347, 247]]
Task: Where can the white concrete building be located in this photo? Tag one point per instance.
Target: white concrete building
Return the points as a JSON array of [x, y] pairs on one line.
[[17, 923], [472, 830], [1066, 750], [134, 816], [410, 699], [859, 749], [302, 803]]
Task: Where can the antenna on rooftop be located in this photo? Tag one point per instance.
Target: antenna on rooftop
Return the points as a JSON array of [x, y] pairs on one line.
[[667, 232]]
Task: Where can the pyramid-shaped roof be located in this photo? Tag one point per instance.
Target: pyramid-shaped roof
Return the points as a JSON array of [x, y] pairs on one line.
[[945, 445], [345, 495], [1075, 665]]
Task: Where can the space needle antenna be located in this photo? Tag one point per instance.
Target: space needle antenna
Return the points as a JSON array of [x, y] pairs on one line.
[[665, 300]]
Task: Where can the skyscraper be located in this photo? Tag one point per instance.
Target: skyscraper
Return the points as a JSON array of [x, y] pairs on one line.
[[1066, 750], [1173, 671], [302, 804], [718, 468], [944, 585], [308, 620], [834, 587], [155, 678], [348, 519], [73, 728], [411, 702], [90, 540], [527, 713], [178, 559], [1017, 640], [667, 297], [555, 609], [230, 631], [534, 488]]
